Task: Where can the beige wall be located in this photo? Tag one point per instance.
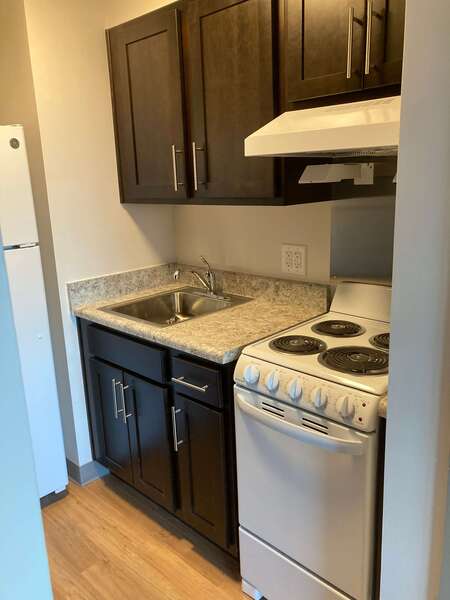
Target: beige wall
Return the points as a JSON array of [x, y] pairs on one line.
[[93, 233], [18, 105], [250, 238]]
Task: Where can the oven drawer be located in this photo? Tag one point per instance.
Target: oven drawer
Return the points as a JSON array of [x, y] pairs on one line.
[[264, 568]]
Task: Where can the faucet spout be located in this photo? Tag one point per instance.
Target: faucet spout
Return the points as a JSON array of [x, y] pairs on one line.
[[208, 280]]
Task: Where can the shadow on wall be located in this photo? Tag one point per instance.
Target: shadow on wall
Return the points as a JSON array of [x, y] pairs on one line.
[[156, 239], [362, 238]]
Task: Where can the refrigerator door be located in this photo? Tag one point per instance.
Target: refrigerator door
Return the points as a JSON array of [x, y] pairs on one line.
[[17, 219], [36, 357]]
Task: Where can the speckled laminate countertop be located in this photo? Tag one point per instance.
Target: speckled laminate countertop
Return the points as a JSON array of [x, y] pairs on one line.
[[219, 337]]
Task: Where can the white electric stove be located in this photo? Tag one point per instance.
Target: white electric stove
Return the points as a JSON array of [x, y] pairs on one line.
[[306, 405]]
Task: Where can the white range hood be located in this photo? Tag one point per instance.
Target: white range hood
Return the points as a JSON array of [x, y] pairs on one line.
[[368, 128]]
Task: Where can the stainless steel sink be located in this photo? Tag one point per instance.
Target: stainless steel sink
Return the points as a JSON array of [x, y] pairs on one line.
[[174, 307]]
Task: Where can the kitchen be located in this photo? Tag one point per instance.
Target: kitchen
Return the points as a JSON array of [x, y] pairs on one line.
[[94, 235]]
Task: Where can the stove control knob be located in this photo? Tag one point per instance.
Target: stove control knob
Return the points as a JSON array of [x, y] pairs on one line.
[[251, 374], [345, 407], [319, 397], [272, 381], [294, 389]]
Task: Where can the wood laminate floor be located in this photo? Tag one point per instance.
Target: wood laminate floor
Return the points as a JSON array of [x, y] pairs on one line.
[[106, 542]]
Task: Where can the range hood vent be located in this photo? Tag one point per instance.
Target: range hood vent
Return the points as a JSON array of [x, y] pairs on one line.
[[356, 129]]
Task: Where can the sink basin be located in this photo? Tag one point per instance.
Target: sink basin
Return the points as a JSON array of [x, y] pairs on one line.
[[174, 307]]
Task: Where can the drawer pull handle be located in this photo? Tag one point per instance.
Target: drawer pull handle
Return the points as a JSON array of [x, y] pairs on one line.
[[197, 388]]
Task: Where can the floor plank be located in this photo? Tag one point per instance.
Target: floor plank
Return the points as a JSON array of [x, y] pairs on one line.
[[105, 542]]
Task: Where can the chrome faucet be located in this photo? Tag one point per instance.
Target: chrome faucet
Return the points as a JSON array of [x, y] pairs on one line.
[[208, 280]]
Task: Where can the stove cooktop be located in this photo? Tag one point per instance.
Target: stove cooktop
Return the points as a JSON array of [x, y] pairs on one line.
[[339, 348], [338, 328], [297, 344], [380, 341], [355, 359]]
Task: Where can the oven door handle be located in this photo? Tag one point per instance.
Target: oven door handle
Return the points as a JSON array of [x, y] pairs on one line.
[[303, 434]]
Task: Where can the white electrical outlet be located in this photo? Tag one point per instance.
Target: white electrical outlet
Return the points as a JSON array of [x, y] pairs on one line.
[[293, 259]]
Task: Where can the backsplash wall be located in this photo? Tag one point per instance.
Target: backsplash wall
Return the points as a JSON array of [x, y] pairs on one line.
[[249, 239]]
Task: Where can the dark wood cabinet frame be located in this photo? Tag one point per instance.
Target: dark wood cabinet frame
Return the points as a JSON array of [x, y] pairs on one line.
[[178, 481]]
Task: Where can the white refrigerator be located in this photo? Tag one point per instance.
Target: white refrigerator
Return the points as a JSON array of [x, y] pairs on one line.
[[23, 265]]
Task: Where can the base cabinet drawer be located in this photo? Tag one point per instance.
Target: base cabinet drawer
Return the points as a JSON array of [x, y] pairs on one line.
[[130, 354], [197, 381]]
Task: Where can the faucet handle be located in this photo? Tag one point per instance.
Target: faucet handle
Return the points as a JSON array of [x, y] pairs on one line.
[[177, 274], [206, 262]]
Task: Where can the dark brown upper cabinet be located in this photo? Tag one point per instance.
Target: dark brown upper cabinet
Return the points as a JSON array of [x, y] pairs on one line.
[[384, 43], [189, 82], [146, 82], [337, 46], [230, 90]]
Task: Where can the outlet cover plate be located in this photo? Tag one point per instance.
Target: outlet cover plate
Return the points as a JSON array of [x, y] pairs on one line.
[[293, 259]]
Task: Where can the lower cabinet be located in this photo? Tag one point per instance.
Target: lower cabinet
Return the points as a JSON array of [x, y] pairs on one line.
[[202, 468], [172, 441], [150, 440], [136, 433], [115, 452]]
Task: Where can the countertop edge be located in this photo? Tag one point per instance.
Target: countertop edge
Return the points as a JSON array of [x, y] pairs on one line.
[[152, 334]]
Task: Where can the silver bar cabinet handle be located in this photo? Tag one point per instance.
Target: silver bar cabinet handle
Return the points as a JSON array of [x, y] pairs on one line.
[[195, 149], [176, 183], [351, 14], [176, 442], [114, 391], [368, 36], [125, 416], [192, 386]]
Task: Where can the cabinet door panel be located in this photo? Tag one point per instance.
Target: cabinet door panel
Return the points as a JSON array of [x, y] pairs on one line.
[[316, 43], [230, 66], [151, 439], [386, 43], [202, 469], [115, 447], [145, 62]]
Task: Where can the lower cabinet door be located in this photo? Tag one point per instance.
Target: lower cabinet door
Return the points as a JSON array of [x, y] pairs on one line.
[[202, 468], [115, 451], [151, 439]]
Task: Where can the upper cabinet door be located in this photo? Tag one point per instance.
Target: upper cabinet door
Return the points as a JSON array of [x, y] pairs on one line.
[[324, 41], [384, 42], [231, 94], [145, 64]]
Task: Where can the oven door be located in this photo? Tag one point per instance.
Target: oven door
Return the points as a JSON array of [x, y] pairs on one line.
[[307, 490]]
